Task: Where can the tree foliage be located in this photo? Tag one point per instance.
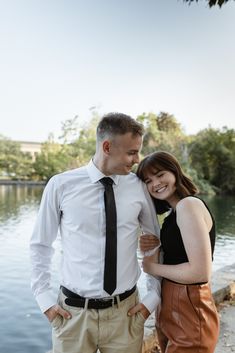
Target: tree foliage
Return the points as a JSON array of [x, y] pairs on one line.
[[70, 130], [213, 155], [208, 157], [52, 160], [211, 3], [14, 164], [162, 132], [77, 148], [84, 146]]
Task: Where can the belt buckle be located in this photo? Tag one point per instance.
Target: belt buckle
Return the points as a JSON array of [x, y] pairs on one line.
[[107, 300]]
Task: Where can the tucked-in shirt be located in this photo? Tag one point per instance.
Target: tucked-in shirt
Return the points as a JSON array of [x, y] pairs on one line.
[[73, 205]]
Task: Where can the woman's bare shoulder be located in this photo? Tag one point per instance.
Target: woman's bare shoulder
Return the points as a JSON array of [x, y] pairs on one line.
[[189, 204]]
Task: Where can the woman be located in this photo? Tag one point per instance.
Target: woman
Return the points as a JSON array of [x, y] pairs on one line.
[[188, 320]]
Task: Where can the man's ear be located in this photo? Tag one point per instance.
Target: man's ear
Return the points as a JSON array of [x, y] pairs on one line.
[[106, 146]]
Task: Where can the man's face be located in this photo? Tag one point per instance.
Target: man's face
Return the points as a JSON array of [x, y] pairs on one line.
[[123, 153]]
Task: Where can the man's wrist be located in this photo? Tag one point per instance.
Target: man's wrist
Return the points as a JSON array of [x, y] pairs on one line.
[[144, 311], [46, 300]]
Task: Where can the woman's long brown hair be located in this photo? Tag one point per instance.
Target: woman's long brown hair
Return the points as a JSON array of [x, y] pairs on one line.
[[162, 160]]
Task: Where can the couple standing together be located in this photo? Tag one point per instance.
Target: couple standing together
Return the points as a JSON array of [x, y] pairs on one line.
[[99, 210]]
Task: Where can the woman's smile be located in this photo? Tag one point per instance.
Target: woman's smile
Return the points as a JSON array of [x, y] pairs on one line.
[[160, 189]]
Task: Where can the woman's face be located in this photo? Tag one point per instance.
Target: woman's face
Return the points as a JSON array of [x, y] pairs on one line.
[[161, 186]]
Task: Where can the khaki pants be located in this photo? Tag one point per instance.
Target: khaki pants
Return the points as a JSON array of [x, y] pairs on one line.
[[109, 330]]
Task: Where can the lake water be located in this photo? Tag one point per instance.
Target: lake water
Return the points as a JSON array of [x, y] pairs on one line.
[[23, 329]]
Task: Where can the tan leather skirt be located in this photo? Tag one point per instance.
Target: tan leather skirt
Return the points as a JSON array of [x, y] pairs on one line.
[[188, 320]]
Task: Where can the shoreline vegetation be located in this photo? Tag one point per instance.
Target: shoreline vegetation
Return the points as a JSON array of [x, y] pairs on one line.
[[22, 182], [208, 157]]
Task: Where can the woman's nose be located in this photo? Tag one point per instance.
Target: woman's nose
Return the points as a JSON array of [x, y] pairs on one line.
[[156, 182]]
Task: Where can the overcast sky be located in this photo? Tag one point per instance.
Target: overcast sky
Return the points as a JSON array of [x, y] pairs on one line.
[[58, 58]]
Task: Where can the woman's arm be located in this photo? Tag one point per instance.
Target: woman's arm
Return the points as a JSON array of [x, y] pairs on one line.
[[194, 222]]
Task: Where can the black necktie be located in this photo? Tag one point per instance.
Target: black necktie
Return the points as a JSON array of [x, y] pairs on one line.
[[110, 265]]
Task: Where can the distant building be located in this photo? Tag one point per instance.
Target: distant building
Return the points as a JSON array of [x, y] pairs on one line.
[[33, 148]]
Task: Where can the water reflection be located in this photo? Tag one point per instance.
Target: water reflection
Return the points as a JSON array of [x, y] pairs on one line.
[[14, 197], [19, 312], [223, 209]]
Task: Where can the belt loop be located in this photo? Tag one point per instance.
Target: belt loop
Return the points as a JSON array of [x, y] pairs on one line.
[[118, 301], [59, 296], [86, 303], [137, 297]]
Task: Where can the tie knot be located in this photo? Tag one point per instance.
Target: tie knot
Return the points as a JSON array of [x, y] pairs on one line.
[[106, 181]]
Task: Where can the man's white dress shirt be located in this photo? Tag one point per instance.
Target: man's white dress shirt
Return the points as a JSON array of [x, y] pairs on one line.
[[73, 204]]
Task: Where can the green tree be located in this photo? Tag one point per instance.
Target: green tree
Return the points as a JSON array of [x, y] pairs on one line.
[[76, 149], [163, 132], [211, 3], [14, 164], [70, 130], [85, 145], [53, 159], [212, 154]]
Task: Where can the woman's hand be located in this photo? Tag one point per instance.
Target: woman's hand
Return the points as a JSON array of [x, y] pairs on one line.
[[149, 265], [148, 242]]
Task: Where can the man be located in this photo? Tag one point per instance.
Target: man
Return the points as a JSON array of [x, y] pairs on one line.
[[94, 312]]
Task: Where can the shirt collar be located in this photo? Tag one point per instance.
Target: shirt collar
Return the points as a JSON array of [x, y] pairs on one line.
[[95, 174]]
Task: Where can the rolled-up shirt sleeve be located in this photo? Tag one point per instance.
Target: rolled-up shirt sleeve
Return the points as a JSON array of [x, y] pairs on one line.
[[149, 225], [41, 250]]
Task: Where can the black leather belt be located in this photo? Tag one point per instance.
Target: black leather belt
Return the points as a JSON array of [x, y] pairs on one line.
[[74, 299]]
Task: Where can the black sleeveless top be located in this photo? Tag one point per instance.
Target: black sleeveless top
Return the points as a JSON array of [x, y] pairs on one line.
[[172, 243]]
